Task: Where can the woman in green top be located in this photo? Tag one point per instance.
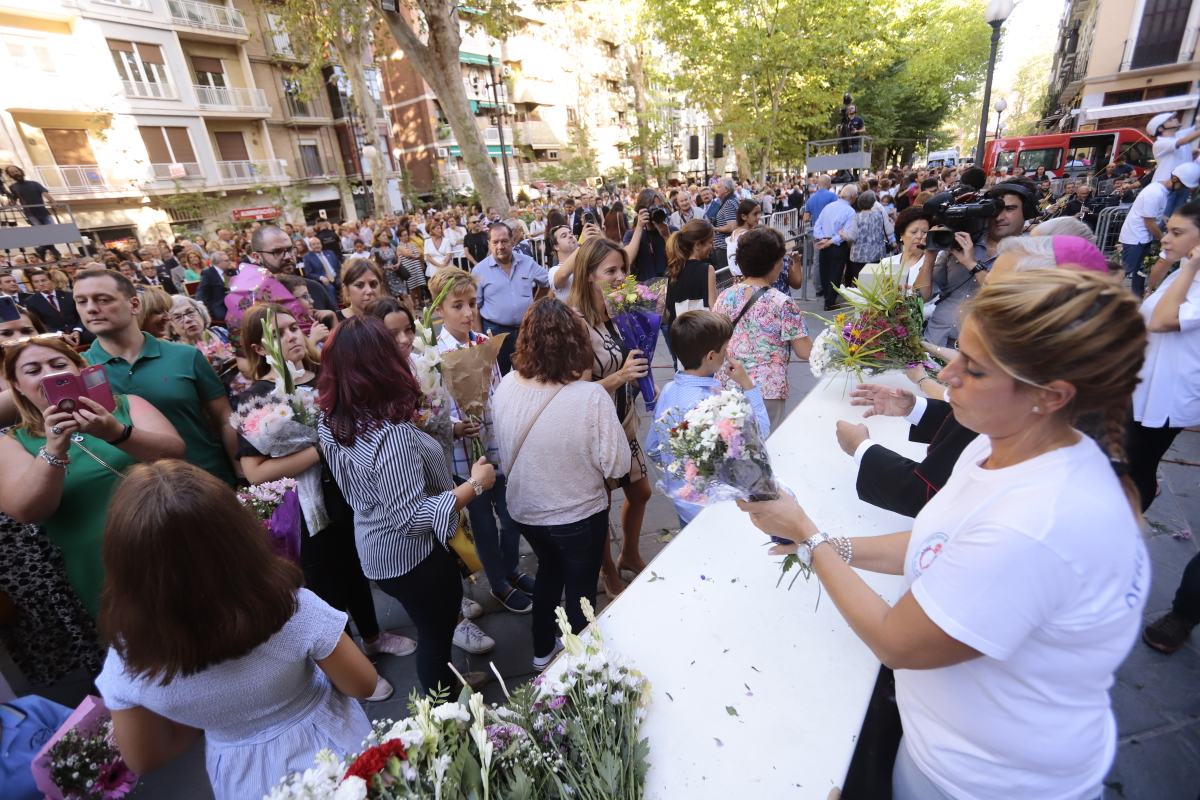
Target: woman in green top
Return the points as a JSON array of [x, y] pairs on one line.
[[59, 468]]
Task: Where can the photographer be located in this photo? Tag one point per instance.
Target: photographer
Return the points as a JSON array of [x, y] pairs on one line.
[[955, 271], [651, 234]]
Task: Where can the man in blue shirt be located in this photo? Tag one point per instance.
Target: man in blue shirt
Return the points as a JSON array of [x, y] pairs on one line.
[[820, 198], [834, 253], [508, 284]]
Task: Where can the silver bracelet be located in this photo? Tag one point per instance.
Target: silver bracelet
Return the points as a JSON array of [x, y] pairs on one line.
[[844, 547], [53, 460]]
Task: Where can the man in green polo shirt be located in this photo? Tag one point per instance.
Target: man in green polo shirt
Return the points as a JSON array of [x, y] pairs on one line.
[[175, 378]]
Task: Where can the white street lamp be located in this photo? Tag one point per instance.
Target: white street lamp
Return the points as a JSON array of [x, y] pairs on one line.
[[1000, 106], [997, 11]]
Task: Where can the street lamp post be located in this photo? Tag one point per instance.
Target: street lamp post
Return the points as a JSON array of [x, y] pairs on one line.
[[500, 129], [1000, 106], [997, 12]]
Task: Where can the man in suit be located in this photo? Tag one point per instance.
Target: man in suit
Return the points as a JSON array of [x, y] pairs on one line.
[[214, 285], [581, 217], [150, 275], [10, 288], [329, 238], [570, 212], [322, 266], [887, 479], [55, 308]]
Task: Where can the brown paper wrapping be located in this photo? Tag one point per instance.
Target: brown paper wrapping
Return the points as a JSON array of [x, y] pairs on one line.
[[467, 374]]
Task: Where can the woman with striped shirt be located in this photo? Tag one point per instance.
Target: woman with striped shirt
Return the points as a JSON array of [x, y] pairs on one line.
[[395, 478]]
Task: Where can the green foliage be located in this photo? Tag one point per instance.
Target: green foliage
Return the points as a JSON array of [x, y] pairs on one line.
[[772, 72], [575, 169]]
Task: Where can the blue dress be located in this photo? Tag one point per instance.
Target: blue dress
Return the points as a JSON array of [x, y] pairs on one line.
[[264, 715]]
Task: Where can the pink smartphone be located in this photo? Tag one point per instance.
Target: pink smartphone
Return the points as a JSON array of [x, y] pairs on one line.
[[65, 389]]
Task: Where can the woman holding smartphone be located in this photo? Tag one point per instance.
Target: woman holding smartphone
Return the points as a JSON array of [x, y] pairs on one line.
[[60, 468]]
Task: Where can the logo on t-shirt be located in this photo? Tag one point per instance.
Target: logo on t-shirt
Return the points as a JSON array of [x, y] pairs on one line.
[[927, 553]]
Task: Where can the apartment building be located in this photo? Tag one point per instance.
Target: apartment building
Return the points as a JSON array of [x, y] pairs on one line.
[[150, 117], [560, 86], [1120, 62]]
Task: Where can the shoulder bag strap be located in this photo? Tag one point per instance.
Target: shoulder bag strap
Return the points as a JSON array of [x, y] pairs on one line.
[[532, 421], [753, 299]]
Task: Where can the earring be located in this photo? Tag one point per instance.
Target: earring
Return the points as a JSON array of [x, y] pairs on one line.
[[1037, 409]]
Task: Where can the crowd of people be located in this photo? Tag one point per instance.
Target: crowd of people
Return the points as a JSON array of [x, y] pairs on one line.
[[110, 511]]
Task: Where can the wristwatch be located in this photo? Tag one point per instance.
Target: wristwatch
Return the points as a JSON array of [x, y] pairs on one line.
[[811, 544], [476, 485]]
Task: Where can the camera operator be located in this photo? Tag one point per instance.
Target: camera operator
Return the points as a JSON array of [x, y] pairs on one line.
[[955, 272], [651, 232]]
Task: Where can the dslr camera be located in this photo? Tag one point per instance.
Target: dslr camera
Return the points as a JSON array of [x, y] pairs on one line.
[[658, 215], [961, 208]]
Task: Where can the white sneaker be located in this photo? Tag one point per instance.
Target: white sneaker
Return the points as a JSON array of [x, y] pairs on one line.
[[541, 662], [469, 637], [391, 643], [471, 609], [383, 690]]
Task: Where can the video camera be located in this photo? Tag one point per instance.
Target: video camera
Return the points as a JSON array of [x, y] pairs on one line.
[[961, 208]]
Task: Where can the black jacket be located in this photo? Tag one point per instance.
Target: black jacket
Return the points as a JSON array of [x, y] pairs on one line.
[[212, 293], [889, 480], [65, 319]]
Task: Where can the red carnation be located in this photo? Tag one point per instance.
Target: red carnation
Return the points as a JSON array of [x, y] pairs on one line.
[[374, 760]]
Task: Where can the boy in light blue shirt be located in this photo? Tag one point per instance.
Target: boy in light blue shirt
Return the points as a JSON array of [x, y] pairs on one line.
[[699, 340]]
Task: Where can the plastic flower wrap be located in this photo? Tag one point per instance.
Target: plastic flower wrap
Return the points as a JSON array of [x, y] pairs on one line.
[[881, 331], [81, 759], [277, 504], [716, 452], [254, 284], [636, 310]]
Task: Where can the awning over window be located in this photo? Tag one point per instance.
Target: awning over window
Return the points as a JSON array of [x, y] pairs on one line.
[[1177, 103], [474, 58]]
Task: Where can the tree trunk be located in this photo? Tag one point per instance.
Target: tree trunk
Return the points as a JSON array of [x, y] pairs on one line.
[[436, 59], [637, 77], [363, 102]]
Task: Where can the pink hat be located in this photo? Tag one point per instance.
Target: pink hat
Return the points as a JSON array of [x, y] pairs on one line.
[[1077, 251]]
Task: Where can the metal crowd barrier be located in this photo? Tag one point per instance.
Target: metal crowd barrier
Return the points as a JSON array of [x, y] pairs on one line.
[[1108, 228]]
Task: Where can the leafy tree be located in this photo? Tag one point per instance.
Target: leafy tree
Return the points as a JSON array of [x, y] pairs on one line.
[[334, 33], [1029, 96], [427, 31]]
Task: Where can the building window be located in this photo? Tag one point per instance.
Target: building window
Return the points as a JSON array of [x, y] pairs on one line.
[[29, 54], [1161, 33], [310, 158], [142, 68], [1146, 93], [279, 42], [170, 151], [209, 72], [297, 106]]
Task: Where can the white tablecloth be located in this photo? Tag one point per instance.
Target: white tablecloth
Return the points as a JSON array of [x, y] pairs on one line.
[[758, 691]]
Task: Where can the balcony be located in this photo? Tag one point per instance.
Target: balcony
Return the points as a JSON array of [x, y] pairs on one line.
[[267, 171], [207, 17], [184, 171], [135, 5], [304, 113], [149, 89], [73, 179], [232, 98]]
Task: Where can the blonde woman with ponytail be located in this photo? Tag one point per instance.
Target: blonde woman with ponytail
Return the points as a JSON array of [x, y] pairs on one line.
[[1026, 573]]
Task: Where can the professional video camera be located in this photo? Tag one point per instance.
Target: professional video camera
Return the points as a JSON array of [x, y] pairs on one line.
[[961, 208]]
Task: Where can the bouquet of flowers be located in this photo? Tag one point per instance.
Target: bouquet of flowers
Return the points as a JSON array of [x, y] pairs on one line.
[[716, 452], [277, 505], [636, 309], [284, 422], [882, 331], [573, 737], [81, 760], [427, 369]]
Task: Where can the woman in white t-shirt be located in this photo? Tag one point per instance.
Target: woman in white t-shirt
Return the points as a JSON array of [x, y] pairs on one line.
[[1167, 399], [1026, 573]]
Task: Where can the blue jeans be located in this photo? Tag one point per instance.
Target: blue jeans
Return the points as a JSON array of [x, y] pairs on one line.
[[569, 557], [909, 783], [499, 546], [1131, 259]]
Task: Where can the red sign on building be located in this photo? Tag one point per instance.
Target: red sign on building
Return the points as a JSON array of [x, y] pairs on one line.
[[259, 213]]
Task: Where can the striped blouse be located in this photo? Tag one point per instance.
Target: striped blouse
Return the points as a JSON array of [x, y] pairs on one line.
[[397, 481]]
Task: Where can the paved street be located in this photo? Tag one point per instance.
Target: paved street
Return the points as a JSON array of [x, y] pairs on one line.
[[1156, 697]]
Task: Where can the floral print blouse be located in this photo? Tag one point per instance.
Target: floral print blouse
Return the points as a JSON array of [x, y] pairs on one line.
[[762, 339]]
